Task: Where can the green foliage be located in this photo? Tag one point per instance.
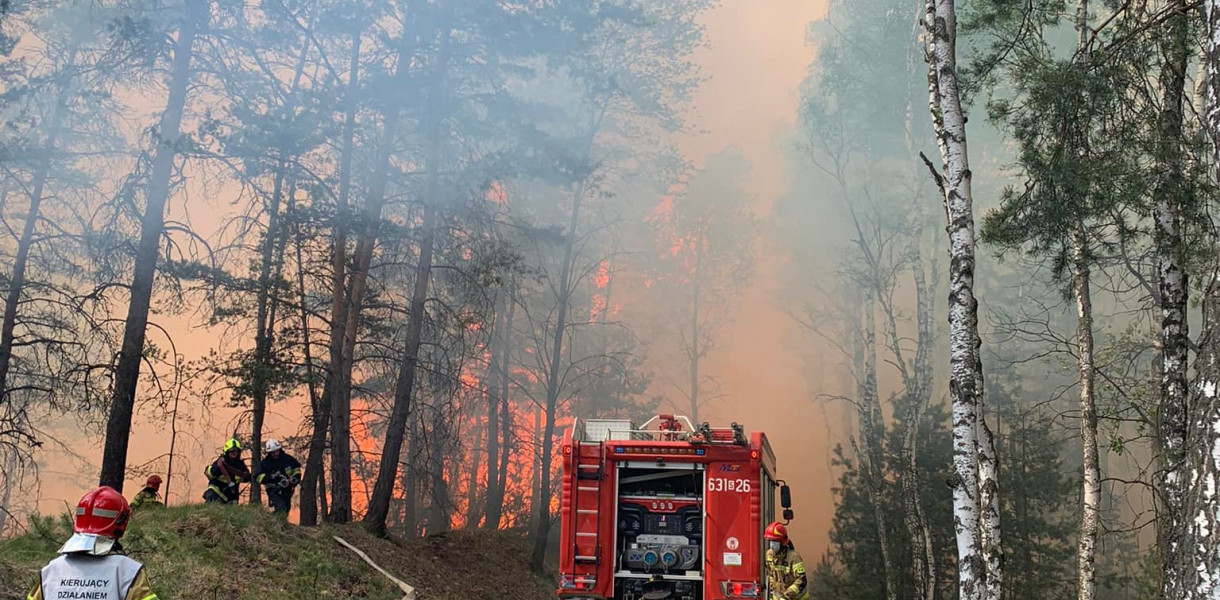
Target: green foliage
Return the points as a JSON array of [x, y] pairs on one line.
[[851, 567], [1036, 508]]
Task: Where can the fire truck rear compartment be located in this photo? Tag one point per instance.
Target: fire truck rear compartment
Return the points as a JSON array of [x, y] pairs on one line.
[[659, 533]]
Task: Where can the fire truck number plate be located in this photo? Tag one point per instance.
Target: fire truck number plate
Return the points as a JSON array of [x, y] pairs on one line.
[[724, 484]]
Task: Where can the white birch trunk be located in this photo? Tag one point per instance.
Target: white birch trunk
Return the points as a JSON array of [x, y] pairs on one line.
[[1202, 503], [965, 368], [1205, 423], [1166, 213], [989, 503], [1091, 497], [1086, 549]]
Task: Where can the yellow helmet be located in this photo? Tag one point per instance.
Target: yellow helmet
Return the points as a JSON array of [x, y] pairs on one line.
[[232, 444]]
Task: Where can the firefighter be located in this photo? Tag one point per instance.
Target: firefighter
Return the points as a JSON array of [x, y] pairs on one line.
[[225, 474], [281, 474], [148, 495], [91, 564], [785, 569]]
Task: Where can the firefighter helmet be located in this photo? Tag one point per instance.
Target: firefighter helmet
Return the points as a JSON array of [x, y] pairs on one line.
[[777, 531], [272, 445], [154, 482], [103, 512], [231, 445]]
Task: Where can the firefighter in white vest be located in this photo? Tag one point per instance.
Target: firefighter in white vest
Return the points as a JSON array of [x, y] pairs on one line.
[[91, 565]]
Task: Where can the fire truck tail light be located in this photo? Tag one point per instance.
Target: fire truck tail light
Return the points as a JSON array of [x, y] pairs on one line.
[[568, 581], [754, 454], [739, 589]]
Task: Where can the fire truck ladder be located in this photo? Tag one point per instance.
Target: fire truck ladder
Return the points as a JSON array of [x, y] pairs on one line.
[[586, 502]]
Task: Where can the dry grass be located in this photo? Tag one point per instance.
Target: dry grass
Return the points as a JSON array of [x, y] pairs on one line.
[[237, 553]]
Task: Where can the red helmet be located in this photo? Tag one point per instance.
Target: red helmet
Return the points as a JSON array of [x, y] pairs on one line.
[[154, 482], [103, 512], [777, 531]]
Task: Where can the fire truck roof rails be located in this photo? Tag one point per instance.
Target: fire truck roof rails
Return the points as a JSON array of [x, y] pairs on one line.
[[663, 428]]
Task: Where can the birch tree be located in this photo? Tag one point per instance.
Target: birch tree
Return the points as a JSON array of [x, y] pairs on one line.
[[1173, 44], [975, 488], [1069, 160], [1204, 501]]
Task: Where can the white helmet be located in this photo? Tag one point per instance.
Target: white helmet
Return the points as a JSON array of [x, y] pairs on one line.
[[272, 445]]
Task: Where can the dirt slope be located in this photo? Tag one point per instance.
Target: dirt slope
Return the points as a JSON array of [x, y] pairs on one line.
[[240, 553]]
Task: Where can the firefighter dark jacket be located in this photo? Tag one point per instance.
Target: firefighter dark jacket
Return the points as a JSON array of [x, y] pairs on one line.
[[786, 575], [226, 470], [286, 466]]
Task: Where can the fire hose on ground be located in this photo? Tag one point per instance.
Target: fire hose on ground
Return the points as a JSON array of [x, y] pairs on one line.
[[408, 591]]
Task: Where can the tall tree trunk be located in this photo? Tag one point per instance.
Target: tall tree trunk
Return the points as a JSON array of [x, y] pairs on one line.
[[472, 480], [493, 409], [265, 328], [1203, 501], [410, 481], [341, 392], [152, 225], [338, 311], [919, 392], [507, 423], [1172, 281], [1091, 498], [979, 576], [263, 336], [495, 494], [315, 400], [1205, 420], [989, 499], [872, 459], [8, 470], [387, 472], [1081, 287], [542, 503], [536, 478], [919, 386], [438, 488], [37, 192]]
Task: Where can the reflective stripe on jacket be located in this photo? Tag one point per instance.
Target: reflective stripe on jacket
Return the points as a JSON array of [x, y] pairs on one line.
[[786, 575], [223, 472], [286, 466], [112, 576], [146, 497]]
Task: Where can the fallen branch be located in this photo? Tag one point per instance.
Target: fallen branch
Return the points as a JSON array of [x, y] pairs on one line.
[[408, 591]]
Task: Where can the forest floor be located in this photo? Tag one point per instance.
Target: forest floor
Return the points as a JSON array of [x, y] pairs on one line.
[[211, 552]]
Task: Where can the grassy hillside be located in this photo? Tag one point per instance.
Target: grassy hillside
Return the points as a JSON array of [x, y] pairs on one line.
[[240, 553]]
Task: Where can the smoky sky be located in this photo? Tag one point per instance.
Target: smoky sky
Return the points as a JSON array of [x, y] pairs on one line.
[[755, 61]]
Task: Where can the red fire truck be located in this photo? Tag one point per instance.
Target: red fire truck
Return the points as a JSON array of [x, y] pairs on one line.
[[665, 510]]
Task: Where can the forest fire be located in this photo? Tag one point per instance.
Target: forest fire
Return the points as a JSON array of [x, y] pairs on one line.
[[422, 242]]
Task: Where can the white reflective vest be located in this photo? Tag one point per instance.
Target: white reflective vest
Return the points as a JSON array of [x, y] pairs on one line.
[[87, 577]]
